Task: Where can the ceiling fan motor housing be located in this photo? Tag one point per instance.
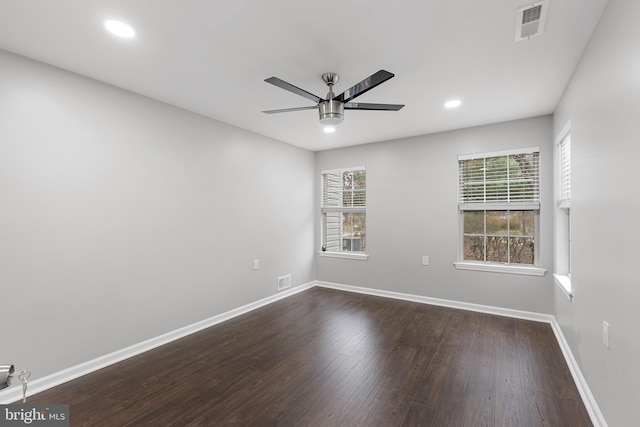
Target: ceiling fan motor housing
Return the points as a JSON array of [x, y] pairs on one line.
[[331, 112]]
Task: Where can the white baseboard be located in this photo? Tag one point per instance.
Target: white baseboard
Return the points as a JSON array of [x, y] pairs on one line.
[[581, 383], [583, 388], [518, 314], [14, 393]]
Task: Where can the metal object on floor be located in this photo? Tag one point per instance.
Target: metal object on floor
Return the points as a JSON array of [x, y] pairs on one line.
[[6, 373]]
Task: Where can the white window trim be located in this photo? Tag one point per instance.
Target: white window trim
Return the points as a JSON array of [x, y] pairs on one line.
[[495, 267], [360, 256], [562, 280], [528, 270], [487, 154], [340, 170]]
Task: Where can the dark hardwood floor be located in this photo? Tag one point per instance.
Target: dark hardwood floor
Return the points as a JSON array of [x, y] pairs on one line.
[[331, 358]]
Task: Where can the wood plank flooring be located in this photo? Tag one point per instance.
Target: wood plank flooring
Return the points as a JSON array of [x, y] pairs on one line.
[[331, 358]]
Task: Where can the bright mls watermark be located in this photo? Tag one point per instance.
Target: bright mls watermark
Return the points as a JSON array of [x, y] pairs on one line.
[[34, 415]]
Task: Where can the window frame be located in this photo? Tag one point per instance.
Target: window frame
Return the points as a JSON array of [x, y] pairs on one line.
[[493, 266], [362, 256], [562, 220]]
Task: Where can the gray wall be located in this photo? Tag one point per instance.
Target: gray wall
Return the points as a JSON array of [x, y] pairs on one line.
[[412, 211], [123, 218], [602, 102]]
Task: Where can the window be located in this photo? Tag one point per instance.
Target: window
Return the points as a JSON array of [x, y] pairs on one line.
[[565, 172], [563, 213], [343, 211], [499, 206]]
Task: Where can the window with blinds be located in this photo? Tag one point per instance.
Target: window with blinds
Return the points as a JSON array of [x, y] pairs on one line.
[[499, 203], [565, 172], [343, 210], [562, 229], [500, 181]]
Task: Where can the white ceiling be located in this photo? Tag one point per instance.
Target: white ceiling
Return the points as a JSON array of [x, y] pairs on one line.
[[211, 57]]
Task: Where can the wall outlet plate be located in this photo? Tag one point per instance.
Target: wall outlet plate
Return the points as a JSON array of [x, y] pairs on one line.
[[605, 334], [425, 260]]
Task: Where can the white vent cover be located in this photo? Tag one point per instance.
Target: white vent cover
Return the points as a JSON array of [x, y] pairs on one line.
[[530, 20], [284, 282]]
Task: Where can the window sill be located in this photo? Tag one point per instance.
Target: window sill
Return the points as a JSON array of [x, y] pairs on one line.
[[564, 283], [500, 268], [345, 255]]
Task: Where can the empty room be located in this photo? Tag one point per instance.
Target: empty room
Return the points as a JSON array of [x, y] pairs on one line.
[[340, 213]]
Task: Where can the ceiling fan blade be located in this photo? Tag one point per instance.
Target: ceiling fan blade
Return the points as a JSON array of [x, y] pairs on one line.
[[365, 106], [291, 88], [364, 86], [286, 110]]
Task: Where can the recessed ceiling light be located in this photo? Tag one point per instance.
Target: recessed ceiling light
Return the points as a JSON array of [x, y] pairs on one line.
[[454, 103], [120, 29], [329, 129]]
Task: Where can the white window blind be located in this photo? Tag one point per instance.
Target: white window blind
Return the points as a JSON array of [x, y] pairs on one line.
[[565, 172], [503, 180], [343, 208], [343, 191]]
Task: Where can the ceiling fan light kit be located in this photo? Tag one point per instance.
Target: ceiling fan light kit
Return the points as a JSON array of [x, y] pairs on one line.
[[331, 109], [331, 112]]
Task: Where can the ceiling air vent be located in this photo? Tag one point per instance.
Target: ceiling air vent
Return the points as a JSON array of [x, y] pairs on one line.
[[530, 20]]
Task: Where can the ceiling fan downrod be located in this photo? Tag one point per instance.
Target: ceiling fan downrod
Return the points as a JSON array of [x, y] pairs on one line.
[[331, 112]]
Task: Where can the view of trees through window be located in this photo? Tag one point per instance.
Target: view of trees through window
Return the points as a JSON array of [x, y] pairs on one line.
[[499, 236], [353, 224], [499, 198]]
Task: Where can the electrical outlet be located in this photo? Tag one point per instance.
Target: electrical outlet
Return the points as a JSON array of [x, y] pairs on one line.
[[256, 264], [605, 334], [425, 260]]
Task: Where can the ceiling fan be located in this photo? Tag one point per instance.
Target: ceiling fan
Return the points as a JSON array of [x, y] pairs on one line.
[[332, 108]]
